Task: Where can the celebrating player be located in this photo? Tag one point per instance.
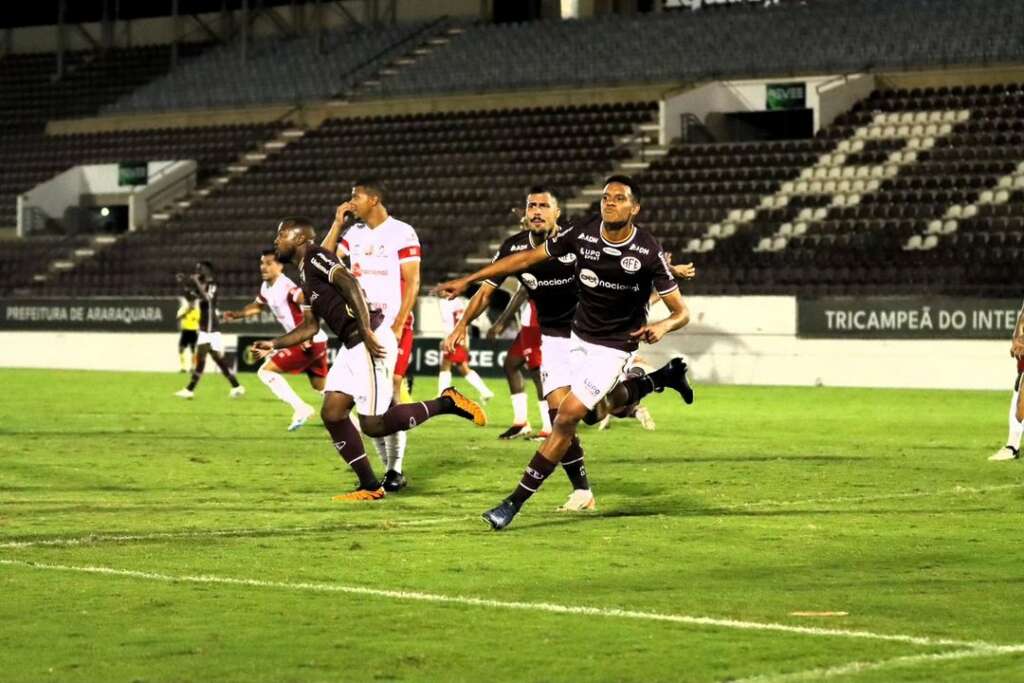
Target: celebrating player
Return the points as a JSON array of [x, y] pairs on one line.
[[1011, 451], [551, 285], [451, 312], [384, 255], [525, 352], [617, 264], [361, 375], [280, 294], [210, 343]]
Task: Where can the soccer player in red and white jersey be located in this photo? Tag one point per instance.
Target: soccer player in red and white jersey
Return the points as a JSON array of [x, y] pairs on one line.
[[451, 313], [525, 352], [1011, 451], [283, 297], [384, 255]]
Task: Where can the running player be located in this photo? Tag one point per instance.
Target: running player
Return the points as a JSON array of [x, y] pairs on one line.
[[525, 352], [280, 294], [458, 358], [551, 285], [1011, 451], [361, 374], [209, 342], [384, 255], [617, 264]]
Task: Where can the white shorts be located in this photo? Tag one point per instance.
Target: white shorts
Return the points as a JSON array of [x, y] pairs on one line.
[[213, 339], [555, 363], [366, 379], [594, 370]]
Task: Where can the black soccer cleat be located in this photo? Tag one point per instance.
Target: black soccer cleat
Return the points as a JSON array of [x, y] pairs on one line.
[[501, 516], [394, 481], [675, 377], [515, 432]]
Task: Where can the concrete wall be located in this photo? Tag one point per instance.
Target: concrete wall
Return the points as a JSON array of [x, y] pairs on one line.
[[731, 340]]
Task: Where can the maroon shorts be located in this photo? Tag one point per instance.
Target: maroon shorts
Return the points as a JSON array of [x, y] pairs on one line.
[[404, 350], [527, 346], [295, 359], [459, 355]]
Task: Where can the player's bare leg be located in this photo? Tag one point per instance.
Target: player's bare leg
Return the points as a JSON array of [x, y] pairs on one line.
[[229, 374], [335, 414], [1011, 451], [570, 411], [520, 421], [272, 375], [198, 367]]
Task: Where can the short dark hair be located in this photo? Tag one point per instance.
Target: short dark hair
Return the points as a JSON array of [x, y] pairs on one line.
[[206, 265], [634, 189], [373, 187], [542, 189], [269, 252]]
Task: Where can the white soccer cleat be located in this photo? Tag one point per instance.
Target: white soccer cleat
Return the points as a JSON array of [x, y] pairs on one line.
[[646, 421], [1005, 453], [580, 500], [237, 391], [301, 417], [185, 393], [603, 424], [484, 398]]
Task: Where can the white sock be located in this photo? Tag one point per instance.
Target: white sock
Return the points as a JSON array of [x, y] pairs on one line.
[[381, 443], [519, 402], [396, 450], [280, 387], [1016, 428], [478, 384], [545, 418], [444, 380]]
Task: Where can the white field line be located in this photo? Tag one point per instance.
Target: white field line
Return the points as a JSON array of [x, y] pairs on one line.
[[550, 608], [958, 490], [853, 668], [93, 539]]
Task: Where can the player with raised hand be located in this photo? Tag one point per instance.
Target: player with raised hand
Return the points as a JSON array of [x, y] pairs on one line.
[[551, 285], [361, 374], [283, 297], [616, 265], [384, 256]]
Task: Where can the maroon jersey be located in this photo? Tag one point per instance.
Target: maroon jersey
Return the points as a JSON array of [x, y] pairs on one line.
[[551, 285], [326, 301], [615, 281]]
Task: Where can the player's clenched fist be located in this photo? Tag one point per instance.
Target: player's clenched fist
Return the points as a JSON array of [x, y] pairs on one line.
[[262, 349]]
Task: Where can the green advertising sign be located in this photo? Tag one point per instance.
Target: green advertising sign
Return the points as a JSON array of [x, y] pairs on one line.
[[132, 173], [786, 96]]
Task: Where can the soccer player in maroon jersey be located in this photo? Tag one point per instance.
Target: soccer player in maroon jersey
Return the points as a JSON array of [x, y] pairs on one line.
[[361, 375], [616, 265], [210, 343]]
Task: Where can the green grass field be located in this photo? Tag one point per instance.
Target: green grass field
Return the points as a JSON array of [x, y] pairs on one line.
[[145, 538]]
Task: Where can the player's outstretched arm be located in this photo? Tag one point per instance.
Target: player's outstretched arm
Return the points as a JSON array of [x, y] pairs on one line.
[[498, 269], [303, 332], [477, 305], [514, 304], [345, 282], [679, 316], [252, 308]]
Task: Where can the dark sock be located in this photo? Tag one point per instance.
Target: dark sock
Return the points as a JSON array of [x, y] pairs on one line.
[[572, 463], [404, 416], [349, 443], [638, 387], [539, 469], [225, 369]]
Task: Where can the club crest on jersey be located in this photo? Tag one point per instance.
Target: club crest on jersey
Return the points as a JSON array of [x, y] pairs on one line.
[[529, 280], [588, 277], [630, 264], [612, 251], [568, 258]]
